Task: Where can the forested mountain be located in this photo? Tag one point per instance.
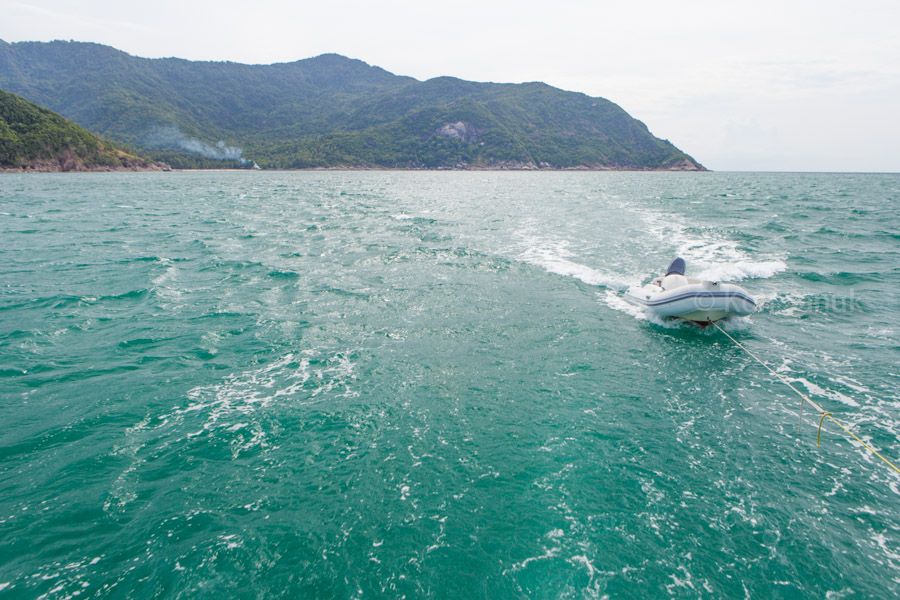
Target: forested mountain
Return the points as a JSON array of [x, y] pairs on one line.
[[34, 138], [328, 111]]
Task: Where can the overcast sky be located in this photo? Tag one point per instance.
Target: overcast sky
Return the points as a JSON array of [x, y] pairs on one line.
[[763, 85]]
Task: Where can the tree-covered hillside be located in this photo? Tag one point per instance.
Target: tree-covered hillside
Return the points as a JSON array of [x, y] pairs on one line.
[[328, 111], [32, 137]]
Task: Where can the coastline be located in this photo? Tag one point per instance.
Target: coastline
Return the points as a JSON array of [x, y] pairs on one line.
[[157, 168], [50, 168]]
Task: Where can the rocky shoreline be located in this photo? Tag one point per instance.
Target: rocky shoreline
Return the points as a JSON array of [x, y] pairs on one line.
[[72, 164], [98, 169]]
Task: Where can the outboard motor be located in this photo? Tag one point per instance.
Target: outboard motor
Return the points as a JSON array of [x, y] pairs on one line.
[[676, 267]]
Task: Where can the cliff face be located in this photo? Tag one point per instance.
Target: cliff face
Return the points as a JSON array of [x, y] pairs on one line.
[[327, 112], [33, 138]]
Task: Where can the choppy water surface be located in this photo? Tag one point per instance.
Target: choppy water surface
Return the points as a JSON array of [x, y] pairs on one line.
[[351, 385]]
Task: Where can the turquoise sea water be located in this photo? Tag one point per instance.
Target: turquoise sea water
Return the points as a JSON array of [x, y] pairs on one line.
[[427, 385]]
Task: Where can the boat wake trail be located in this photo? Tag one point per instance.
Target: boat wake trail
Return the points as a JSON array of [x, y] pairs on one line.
[[553, 263], [740, 270], [636, 247], [710, 257]]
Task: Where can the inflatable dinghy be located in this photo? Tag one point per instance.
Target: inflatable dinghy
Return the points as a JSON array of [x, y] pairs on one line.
[[692, 299]]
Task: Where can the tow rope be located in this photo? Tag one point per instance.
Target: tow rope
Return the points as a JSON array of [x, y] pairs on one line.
[[804, 398]]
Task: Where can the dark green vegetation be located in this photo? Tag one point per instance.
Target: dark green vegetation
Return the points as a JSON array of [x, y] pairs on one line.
[[32, 137], [328, 111]]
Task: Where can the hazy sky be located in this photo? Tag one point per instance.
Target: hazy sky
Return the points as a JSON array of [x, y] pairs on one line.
[[762, 85]]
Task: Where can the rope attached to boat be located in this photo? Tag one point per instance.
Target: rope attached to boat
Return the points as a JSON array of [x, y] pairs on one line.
[[804, 398]]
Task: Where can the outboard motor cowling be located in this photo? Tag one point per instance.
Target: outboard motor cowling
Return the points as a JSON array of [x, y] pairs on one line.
[[676, 267]]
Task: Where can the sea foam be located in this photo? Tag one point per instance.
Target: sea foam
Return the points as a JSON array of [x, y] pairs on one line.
[[553, 263]]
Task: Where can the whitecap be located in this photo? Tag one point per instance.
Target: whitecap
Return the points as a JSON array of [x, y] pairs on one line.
[[852, 384], [830, 394]]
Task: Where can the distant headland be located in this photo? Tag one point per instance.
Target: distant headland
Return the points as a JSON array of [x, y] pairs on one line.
[[327, 112], [35, 139]]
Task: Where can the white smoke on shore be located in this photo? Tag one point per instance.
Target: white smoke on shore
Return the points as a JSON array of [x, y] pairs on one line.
[[171, 137]]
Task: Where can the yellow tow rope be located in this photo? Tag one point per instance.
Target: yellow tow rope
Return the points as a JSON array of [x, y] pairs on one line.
[[803, 397]]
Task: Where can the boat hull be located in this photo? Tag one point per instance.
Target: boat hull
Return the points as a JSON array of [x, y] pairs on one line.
[[700, 301]]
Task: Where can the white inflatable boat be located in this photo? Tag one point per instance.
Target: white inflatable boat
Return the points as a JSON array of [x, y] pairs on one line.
[[701, 301]]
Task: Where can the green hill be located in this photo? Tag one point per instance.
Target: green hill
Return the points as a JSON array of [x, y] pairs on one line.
[[328, 111], [34, 138]]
